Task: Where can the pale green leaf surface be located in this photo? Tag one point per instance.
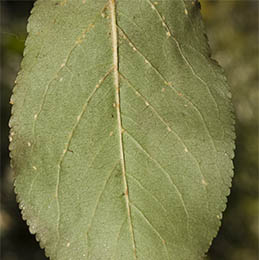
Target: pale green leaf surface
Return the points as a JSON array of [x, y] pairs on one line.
[[122, 131]]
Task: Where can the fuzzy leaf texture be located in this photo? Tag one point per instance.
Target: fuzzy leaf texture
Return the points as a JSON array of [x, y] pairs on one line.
[[121, 131]]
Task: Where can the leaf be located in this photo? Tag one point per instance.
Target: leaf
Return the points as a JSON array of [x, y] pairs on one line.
[[122, 131]]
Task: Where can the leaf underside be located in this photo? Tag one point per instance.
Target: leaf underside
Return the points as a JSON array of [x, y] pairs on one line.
[[121, 131]]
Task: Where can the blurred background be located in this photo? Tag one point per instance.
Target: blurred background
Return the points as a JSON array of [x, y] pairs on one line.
[[232, 28]]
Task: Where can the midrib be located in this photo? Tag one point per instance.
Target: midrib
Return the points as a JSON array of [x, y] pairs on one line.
[[114, 36]]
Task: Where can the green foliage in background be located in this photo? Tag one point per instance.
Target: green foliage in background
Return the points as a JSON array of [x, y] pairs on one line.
[[234, 41]]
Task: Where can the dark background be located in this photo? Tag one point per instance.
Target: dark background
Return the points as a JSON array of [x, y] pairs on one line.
[[232, 28]]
